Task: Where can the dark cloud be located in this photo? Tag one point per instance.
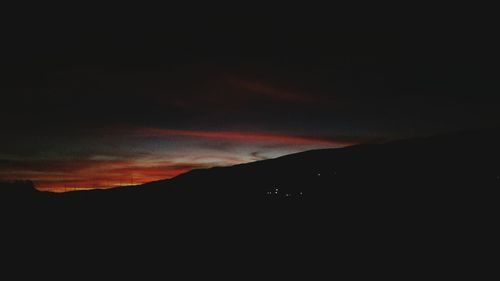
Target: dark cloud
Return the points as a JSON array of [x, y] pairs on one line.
[[256, 156]]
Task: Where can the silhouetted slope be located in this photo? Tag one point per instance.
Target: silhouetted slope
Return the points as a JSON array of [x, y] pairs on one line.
[[17, 191], [426, 167], [412, 202], [460, 166], [16, 187]]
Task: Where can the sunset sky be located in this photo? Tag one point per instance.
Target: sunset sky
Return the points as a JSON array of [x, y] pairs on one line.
[[99, 104]]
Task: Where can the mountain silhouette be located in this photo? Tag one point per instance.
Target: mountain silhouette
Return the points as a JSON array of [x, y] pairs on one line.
[[429, 199], [457, 170], [440, 165]]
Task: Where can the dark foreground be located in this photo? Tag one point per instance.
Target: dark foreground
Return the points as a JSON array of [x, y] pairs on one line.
[[407, 206]]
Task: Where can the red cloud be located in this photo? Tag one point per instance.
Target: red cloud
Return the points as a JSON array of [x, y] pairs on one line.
[[244, 136], [266, 90]]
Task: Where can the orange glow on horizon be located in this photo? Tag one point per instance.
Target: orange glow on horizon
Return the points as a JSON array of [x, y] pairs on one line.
[[94, 172], [124, 177]]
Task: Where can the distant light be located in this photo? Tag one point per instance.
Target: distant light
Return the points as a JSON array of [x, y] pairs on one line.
[[301, 193], [319, 174]]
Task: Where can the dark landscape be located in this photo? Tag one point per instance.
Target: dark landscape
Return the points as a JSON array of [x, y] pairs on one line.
[[396, 202], [453, 173], [223, 139]]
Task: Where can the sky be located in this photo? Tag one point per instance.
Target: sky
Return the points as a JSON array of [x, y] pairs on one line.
[[90, 103]]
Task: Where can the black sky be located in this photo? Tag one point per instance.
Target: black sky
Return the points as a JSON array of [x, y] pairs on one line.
[[67, 81]]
